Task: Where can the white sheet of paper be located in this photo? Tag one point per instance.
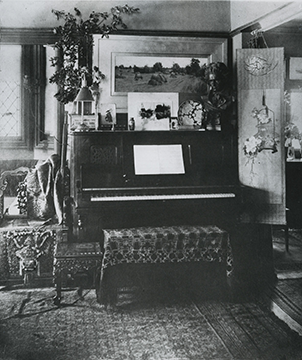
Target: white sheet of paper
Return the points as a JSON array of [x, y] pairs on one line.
[[158, 159]]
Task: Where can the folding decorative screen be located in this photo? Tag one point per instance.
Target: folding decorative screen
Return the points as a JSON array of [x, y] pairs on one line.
[[260, 76]]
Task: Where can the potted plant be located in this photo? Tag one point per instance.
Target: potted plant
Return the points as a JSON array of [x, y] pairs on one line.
[[74, 46]]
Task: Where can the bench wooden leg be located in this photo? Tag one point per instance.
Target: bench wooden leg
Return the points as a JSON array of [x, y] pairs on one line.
[[286, 232], [107, 287], [58, 286], [286, 238]]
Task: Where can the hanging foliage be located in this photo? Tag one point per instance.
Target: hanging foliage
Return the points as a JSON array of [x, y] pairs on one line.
[[74, 45]]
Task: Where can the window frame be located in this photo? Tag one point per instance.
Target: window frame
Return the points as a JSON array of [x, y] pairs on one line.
[[33, 64]]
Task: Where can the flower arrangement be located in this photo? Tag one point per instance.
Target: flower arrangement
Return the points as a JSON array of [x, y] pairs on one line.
[[74, 45], [161, 111], [265, 137], [252, 146], [145, 113], [291, 131], [262, 116]]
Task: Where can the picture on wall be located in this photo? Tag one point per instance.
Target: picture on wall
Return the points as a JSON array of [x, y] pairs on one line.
[[152, 111], [295, 68], [293, 126], [160, 73], [153, 64]]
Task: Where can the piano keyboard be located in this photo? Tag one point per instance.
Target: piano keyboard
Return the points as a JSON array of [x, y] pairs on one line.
[[161, 197]]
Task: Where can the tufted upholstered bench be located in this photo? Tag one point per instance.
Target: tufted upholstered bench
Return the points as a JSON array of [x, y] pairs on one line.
[[159, 245]]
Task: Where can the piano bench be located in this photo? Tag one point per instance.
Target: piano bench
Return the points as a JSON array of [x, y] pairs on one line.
[[159, 245], [71, 259]]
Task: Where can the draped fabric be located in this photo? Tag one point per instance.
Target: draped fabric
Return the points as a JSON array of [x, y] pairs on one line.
[[44, 190], [173, 244]]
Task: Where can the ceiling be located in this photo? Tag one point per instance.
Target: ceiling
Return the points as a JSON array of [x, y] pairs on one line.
[[291, 26]]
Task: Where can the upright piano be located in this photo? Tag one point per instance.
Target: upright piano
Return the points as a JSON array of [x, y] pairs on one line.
[[123, 179]]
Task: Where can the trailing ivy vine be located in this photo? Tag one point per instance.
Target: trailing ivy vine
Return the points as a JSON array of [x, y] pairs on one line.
[[74, 46]]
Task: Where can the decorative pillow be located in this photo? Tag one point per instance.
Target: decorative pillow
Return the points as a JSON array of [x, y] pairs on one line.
[[39, 203]]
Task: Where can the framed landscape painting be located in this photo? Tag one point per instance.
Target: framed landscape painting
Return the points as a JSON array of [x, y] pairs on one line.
[[152, 63], [160, 73]]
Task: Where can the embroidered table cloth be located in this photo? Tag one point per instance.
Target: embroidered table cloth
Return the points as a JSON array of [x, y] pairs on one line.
[[155, 245]]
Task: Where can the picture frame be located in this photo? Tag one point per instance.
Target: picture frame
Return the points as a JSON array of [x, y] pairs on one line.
[[295, 68], [108, 53], [159, 73], [152, 111], [293, 126], [107, 114], [295, 108]]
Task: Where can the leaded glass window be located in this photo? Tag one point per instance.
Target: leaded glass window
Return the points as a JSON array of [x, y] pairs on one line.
[[10, 91]]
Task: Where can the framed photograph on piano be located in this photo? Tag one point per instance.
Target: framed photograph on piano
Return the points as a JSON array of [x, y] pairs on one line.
[[153, 63]]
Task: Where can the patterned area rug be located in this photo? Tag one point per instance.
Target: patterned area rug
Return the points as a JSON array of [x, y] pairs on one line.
[[32, 328]]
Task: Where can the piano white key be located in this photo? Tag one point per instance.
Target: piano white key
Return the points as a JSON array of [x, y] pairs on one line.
[[162, 197]]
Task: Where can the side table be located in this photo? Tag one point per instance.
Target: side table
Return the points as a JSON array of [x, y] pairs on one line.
[[72, 258]]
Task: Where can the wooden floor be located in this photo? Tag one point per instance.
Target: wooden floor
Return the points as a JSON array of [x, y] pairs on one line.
[[285, 297]]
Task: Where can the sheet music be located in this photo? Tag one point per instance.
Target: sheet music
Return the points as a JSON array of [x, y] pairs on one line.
[[158, 159]]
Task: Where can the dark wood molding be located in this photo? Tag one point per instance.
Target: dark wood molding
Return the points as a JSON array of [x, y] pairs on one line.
[[201, 34], [27, 36], [45, 36]]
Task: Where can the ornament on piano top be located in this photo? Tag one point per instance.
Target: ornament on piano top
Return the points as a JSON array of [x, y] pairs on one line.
[[190, 115], [107, 117], [219, 98], [84, 116]]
